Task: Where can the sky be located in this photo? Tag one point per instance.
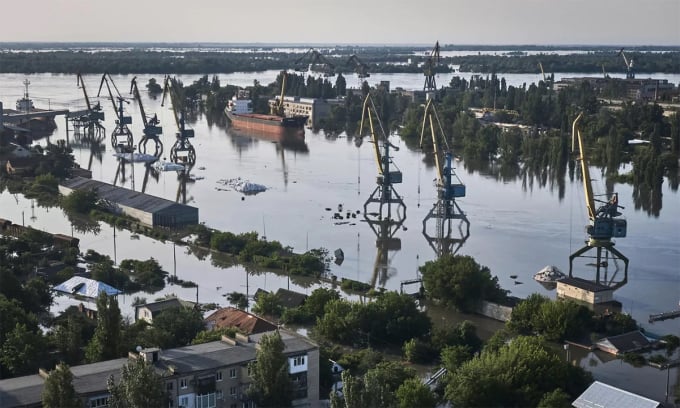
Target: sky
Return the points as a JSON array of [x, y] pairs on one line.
[[600, 22]]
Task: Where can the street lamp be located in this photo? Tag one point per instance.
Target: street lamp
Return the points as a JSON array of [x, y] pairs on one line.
[[566, 348]]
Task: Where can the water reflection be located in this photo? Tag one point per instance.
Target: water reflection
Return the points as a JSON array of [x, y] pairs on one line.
[[385, 230]]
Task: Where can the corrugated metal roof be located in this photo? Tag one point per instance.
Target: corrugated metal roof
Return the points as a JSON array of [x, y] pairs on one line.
[[122, 196], [601, 395], [91, 288]]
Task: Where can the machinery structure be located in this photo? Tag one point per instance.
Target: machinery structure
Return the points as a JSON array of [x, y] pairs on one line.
[[542, 71], [314, 61], [359, 66], [385, 230], [91, 116], [604, 224], [630, 72], [384, 194], [429, 69], [152, 130], [182, 151], [449, 187], [121, 135], [277, 107], [87, 128]]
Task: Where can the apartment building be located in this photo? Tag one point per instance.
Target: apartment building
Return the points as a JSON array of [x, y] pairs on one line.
[[209, 375]]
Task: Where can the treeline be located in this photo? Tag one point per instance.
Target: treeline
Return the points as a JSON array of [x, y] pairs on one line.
[[378, 59]]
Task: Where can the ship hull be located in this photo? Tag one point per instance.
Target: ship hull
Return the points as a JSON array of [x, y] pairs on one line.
[[266, 123]]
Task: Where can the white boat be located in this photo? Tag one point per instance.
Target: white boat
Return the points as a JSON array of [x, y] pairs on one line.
[[549, 274]]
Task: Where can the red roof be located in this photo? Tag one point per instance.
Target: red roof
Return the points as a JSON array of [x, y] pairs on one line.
[[244, 321]]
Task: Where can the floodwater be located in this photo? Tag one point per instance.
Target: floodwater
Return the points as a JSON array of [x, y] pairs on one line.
[[517, 226]]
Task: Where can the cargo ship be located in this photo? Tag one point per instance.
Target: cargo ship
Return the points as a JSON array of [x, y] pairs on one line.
[[239, 110]]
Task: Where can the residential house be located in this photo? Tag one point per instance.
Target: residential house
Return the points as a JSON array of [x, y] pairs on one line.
[[601, 395], [290, 299], [624, 343], [150, 310], [245, 322]]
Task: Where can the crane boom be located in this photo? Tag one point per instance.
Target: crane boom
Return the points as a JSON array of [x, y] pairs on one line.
[[359, 66], [81, 84], [585, 172], [366, 113], [542, 71], [277, 109], [168, 89], [135, 92], [314, 59]]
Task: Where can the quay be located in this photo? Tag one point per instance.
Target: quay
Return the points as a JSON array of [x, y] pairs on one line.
[[664, 316]]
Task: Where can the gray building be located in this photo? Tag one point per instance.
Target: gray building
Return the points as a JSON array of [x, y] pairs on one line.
[[147, 209], [148, 311], [209, 375]]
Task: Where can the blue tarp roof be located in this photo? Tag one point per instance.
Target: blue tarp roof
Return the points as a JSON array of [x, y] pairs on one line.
[[78, 285]]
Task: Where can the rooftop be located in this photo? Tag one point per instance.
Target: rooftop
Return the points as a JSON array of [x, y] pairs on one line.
[[121, 195], [583, 284], [166, 304], [91, 288], [601, 395], [244, 321]]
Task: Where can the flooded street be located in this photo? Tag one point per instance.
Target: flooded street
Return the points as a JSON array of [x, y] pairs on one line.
[[517, 226]]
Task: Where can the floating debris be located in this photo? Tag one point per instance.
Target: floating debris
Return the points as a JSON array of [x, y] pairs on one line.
[[136, 157], [167, 166], [242, 186], [513, 276]]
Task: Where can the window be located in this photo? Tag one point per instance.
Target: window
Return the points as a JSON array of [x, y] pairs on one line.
[[183, 402], [171, 404], [232, 391], [218, 376], [232, 406], [183, 383], [298, 360], [169, 386], [220, 394], [99, 402], [206, 401], [232, 373]]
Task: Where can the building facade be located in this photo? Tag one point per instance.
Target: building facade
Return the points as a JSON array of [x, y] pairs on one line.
[[208, 375]]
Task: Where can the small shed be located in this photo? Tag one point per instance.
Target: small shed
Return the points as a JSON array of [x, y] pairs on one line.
[[624, 343], [601, 395], [290, 299]]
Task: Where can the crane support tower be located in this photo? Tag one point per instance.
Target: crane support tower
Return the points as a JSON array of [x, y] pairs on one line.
[[182, 151], [314, 61], [429, 69], [630, 71], [121, 137], [384, 194], [152, 130], [86, 123], [604, 223], [449, 187]]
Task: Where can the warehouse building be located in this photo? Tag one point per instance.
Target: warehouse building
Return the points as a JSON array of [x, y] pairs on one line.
[[147, 209]]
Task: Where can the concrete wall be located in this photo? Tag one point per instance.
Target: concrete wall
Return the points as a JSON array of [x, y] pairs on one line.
[[495, 311]]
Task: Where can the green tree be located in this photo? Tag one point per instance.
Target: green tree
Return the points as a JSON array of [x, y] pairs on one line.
[[23, 350], [413, 393], [461, 282], [58, 391], [555, 399], [268, 304], [271, 386], [516, 375], [80, 201], [68, 339], [139, 387], [175, 327], [107, 341]]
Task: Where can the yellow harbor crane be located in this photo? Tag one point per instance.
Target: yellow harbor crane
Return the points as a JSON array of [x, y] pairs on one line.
[[630, 71], [604, 221], [449, 187]]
